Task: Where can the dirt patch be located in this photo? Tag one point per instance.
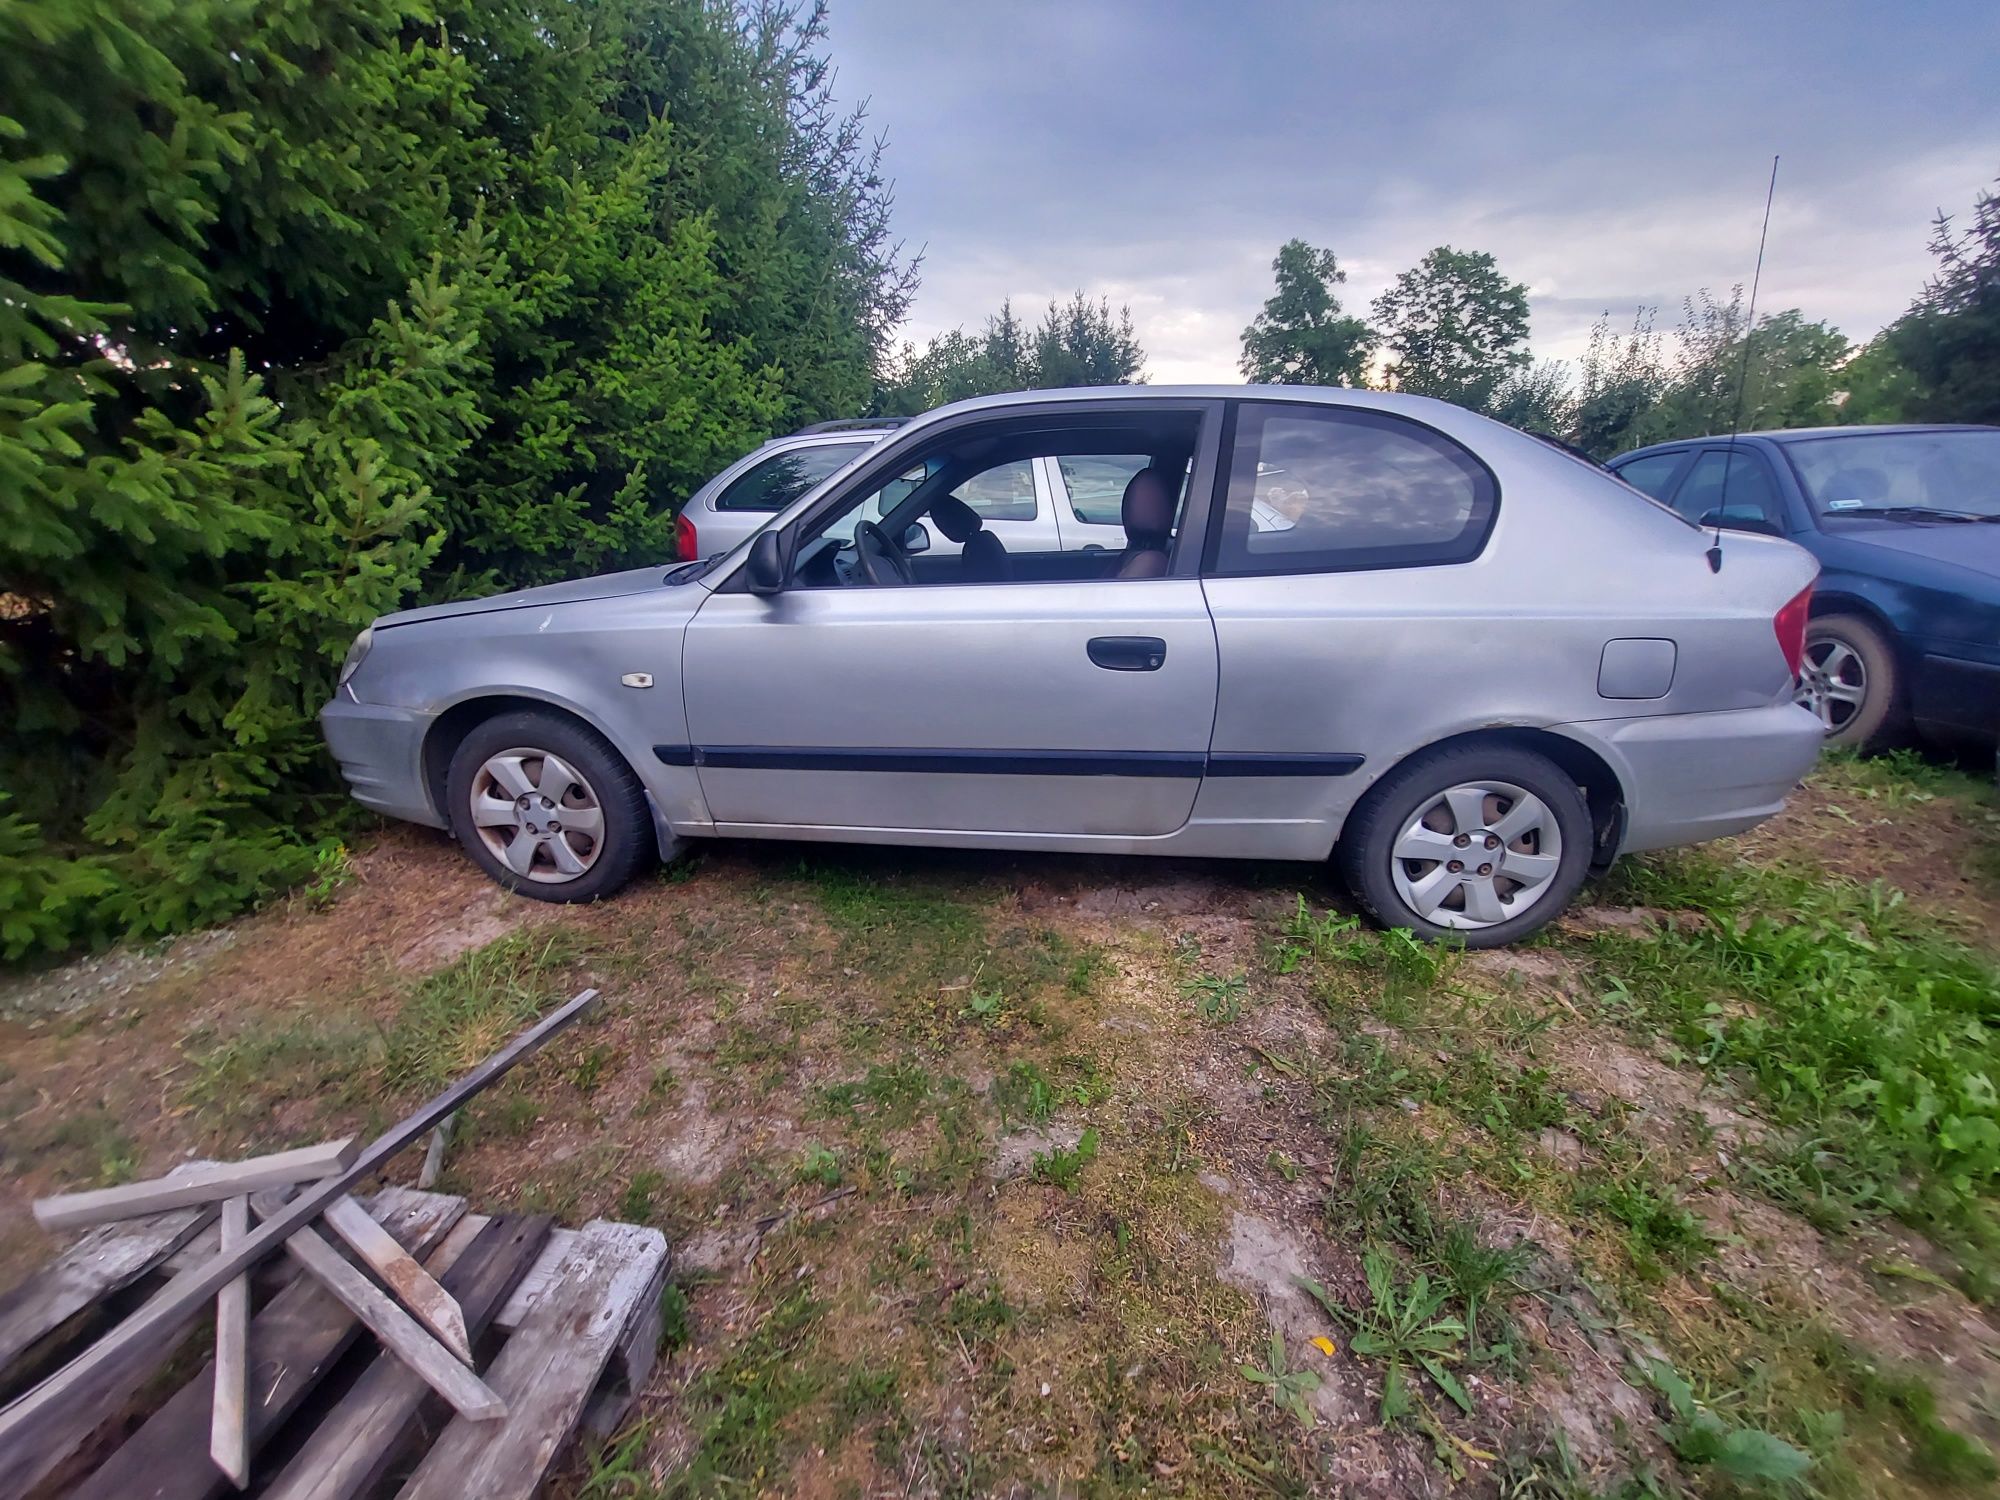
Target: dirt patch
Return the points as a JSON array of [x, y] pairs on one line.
[[1268, 1260], [1938, 850]]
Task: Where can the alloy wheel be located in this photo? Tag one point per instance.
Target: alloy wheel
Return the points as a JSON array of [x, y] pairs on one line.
[[537, 815], [1478, 854], [1833, 682]]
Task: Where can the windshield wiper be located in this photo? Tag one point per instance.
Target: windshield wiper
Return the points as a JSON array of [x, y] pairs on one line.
[[1911, 513]]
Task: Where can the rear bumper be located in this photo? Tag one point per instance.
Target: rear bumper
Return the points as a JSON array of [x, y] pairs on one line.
[[381, 755], [1690, 777], [1953, 698]]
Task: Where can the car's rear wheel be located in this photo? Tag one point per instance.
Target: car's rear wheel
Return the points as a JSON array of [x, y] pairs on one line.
[[548, 808], [1480, 844], [1849, 678]]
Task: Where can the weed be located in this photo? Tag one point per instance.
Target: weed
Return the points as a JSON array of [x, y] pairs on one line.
[[331, 869], [636, 1206], [1282, 1163], [983, 1315], [1289, 1388], [1659, 1230], [1218, 999], [675, 1315], [1699, 1436], [1023, 1093], [820, 1165], [1061, 1166], [1405, 1327], [588, 1073], [1475, 1273]]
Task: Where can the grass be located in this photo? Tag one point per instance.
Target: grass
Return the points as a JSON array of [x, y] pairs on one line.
[[1865, 1030], [1497, 1234]]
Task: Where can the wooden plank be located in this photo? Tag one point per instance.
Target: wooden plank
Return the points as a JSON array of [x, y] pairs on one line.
[[229, 1420], [209, 1183], [414, 1287], [129, 1350], [356, 1443], [104, 1261], [433, 1167], [405, 1337], [295, 1339], [547, 1370]]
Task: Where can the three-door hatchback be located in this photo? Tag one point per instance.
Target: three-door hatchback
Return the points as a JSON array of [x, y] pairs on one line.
[[1378, 628]]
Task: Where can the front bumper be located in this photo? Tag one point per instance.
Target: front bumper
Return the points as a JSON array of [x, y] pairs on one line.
[[1690, 777], [381, 755]]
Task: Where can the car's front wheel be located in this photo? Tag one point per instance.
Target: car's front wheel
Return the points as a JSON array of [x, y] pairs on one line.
[[1480, 844], [548, 808]]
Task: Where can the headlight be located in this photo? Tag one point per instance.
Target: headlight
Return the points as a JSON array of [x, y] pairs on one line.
[[356, 655]]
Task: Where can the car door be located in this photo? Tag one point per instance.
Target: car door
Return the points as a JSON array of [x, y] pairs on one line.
[[1046, 708]]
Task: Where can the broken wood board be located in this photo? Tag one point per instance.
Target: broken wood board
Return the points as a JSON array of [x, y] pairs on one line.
[[208, 1183], [414, 1287], [294, 1340], [354, 1445], [123, 1357]]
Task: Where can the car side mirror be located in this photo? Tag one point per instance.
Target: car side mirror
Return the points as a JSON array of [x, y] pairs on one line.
[[764, 571], [916, 539], [1737, 520]]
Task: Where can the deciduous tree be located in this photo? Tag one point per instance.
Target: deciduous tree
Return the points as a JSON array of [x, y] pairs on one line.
[[1302, 337]]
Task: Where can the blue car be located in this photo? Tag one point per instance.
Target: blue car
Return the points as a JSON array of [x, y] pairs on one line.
[[1905, 521]]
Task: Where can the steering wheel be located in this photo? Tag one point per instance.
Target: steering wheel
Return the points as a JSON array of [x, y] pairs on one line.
[[879, 560]]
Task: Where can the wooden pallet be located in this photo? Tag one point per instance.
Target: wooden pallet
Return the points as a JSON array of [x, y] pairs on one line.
[[564, 1325]]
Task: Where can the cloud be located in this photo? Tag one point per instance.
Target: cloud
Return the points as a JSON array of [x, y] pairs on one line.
[[1159, 153]]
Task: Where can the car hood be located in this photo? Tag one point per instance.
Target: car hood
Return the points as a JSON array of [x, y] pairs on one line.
[[1975, 546], [577, 590]]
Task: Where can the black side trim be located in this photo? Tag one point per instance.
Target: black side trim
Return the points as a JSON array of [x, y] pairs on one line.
[[1248, 764], [1164, 763]]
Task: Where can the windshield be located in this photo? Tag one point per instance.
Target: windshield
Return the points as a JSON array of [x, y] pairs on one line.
[[1872, 473]]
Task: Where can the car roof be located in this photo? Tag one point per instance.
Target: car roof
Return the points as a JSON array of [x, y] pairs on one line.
[[1801, 434]]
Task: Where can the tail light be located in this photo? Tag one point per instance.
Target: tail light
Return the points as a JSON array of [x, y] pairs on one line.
[[686, 547], [1790, 623]]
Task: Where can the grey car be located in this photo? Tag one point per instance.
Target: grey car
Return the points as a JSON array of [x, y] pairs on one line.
[[1455, 659]]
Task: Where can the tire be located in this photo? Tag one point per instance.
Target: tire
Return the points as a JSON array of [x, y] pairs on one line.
[[1410, 809], [1851, 679], [609, 835]]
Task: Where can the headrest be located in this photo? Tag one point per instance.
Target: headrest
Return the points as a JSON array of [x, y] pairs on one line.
[[1148, 507], [957, 520]]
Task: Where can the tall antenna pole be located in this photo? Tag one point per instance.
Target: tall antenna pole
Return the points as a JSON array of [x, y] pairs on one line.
[[1743, 372]]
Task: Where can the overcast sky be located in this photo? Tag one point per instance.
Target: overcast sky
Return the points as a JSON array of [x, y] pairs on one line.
[[1610, 155]]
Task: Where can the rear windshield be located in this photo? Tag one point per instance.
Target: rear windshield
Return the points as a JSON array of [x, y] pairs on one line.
[[783, 477], [1871, 472]]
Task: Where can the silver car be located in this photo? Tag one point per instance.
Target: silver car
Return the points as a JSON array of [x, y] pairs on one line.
[[1338, 624]]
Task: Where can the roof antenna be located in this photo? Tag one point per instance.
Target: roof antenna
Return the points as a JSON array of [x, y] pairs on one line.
[[1742, 374]]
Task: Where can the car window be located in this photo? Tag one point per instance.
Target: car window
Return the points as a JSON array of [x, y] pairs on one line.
[[1096, 484], [1316, 490], [1730, 489], [1868, 471], [1651, 475], [1005, 492], [783, 477]]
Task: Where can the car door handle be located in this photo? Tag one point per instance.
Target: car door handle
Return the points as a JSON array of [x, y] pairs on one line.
[[1128, 653]]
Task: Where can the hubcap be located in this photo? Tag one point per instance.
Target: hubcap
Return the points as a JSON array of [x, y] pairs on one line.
[[1477, 854], [1833, 682], [538, 815]]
